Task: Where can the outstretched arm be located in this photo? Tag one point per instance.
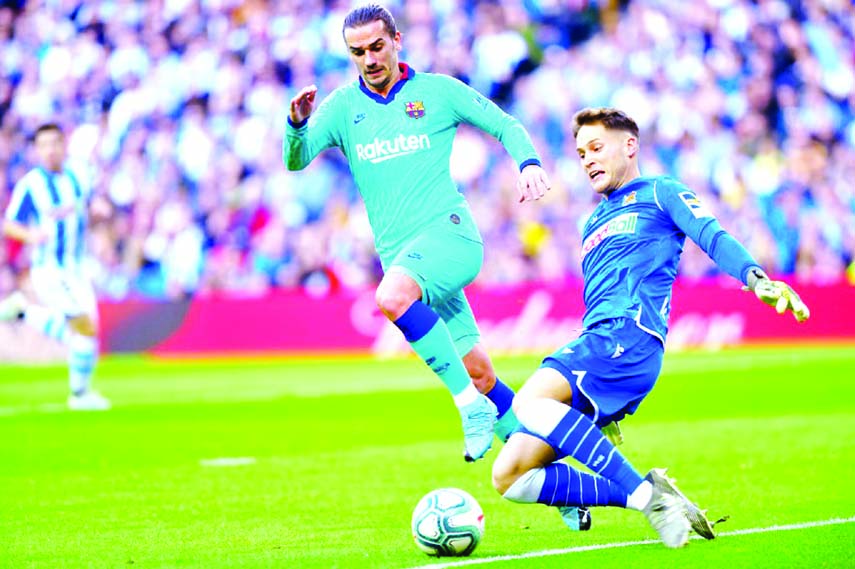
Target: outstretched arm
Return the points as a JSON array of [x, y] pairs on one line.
[[730, 255], [473, 108], [776, 293]]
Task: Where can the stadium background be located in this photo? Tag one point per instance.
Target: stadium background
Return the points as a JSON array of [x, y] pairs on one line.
[[180, 105]]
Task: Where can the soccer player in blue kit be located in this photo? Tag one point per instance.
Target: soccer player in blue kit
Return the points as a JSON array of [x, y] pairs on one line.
[[571, 405]]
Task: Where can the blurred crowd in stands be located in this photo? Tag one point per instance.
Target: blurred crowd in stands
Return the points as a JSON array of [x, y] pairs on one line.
[[179, 107]]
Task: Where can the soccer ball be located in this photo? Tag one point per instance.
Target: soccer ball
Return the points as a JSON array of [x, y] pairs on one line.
[[448, 522]]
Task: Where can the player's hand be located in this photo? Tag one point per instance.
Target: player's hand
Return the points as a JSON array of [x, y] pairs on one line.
[[780, 295], [303, 104], [533, 183]]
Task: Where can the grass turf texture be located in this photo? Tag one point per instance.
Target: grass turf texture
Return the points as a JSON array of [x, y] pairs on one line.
[[344, 448]]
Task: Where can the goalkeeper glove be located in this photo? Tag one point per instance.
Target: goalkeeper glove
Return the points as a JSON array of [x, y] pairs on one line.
[[778, 294]]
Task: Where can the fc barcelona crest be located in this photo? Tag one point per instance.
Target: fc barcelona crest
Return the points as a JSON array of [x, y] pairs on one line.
[[415, 109]]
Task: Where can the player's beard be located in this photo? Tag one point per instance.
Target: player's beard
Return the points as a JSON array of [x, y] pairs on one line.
[[378, 81]]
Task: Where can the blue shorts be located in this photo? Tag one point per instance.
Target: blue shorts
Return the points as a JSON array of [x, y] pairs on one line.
[[611, 367]]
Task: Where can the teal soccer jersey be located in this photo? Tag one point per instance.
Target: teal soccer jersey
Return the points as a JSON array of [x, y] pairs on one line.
[[398, 149]]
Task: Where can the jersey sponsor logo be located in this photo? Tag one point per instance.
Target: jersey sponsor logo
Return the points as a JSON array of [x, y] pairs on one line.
[[622, 224], [382, 150], [692, 202], [415, 109]]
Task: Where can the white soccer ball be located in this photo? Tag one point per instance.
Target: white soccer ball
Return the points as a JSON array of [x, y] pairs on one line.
[[448, 522]]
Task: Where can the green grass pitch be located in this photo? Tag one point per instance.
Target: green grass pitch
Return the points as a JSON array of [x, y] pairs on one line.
[[335, 453]]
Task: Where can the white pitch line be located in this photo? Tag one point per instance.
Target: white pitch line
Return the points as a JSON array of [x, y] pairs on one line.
[[228, 461], [580, 549], [27, 409]]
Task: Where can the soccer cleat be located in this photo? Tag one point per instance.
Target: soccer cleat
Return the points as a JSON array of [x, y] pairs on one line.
[[666, 513], [697, 517], [13, 306], [506, 426], [88, 401], [576, 518], [478, 420]]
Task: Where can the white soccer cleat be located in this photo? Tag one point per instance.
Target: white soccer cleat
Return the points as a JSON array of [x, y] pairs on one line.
[[88, 401], [697, 517], [13, 306], [478, 417], [666, 513]]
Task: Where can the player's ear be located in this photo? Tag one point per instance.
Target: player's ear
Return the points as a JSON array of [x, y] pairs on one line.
[[631, 146], [397, 39]]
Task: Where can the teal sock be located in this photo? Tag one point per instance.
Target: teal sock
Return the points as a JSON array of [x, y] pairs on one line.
[[430, 339]]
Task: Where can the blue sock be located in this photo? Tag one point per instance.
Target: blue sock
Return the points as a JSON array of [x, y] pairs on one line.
[[566, 486], [573, 434], [502, 396]]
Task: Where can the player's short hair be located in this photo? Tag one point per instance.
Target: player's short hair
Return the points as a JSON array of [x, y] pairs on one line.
[[370, 13], [612, 119], [47, 127]]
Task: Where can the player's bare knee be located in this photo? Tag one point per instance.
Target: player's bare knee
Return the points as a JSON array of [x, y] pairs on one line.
[[506, 471], [391, 302], [83, 325]]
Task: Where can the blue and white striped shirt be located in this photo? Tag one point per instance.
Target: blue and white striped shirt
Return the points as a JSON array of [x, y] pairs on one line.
[[58, 203]]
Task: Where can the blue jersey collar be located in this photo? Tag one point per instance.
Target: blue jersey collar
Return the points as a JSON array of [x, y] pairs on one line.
[[407, 73], [626, 188]]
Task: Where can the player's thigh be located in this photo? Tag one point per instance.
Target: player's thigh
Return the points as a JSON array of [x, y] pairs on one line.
[[441, 262], [545, 383], [520, 454], [65, 291]]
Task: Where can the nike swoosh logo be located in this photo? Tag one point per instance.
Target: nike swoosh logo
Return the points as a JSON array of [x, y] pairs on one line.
[[358, 119]]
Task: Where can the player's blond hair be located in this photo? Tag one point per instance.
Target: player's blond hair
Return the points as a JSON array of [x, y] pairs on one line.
[[612, 119]]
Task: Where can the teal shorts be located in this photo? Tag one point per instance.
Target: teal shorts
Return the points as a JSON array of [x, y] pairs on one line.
[[443, 261]]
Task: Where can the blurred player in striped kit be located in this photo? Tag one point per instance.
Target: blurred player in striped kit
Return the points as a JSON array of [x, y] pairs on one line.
[[49, 211]]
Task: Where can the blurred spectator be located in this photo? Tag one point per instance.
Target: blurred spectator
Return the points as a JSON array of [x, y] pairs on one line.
[[181, 104]]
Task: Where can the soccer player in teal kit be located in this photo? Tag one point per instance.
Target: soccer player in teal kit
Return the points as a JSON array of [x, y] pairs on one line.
[[630, 249], [396, 128]]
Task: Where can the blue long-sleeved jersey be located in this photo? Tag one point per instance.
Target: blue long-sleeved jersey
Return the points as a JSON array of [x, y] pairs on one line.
[[632, 244]]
